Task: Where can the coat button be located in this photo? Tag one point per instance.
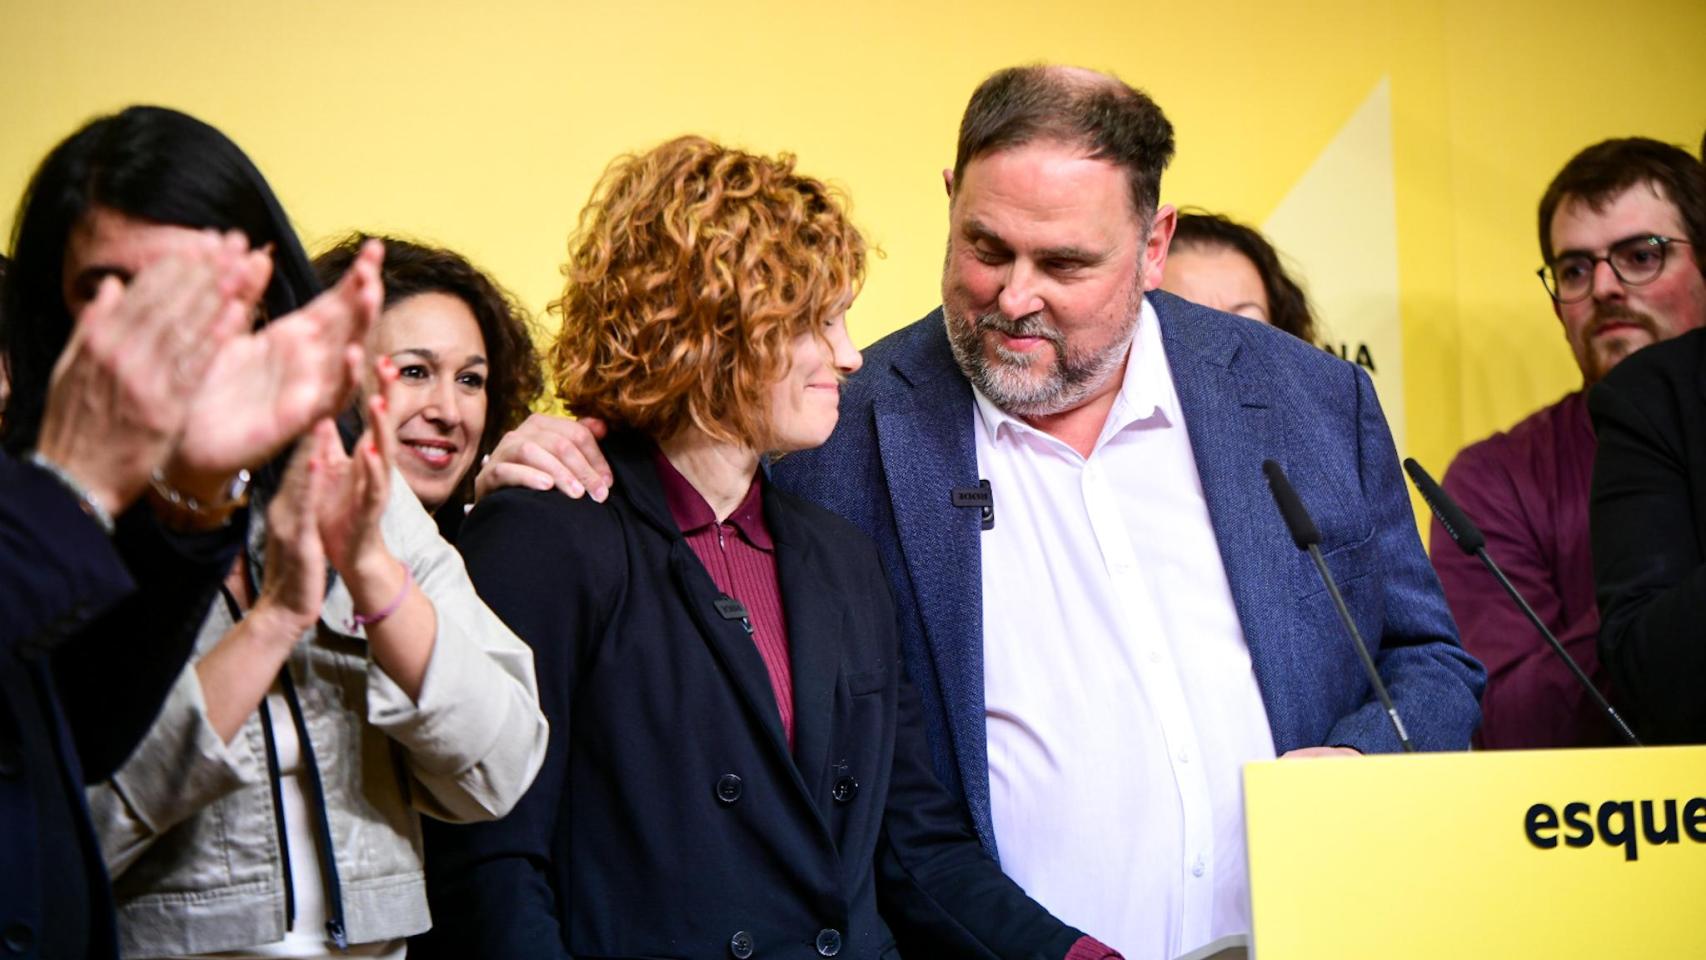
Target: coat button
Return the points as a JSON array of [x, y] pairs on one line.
[[740, 945], [845, 789], [728, 788], [828, 942], [18, 938]]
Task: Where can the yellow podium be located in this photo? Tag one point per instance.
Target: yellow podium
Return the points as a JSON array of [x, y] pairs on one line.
[[1542, 853]]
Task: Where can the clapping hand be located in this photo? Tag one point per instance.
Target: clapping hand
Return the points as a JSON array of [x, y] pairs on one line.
[[294, 587], [124, 386], [358, 485], [263, 390]]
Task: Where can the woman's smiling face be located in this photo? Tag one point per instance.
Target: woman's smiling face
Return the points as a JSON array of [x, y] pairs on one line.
[[440, 401]]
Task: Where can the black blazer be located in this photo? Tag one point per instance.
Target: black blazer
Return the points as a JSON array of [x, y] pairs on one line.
[[1648, 522], [82, 674], [670, 818]]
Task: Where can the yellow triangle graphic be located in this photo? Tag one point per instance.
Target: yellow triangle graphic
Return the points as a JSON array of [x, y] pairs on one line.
[[1338, 226]]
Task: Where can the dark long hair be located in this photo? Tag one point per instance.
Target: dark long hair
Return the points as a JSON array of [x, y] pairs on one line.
[[150, 163]]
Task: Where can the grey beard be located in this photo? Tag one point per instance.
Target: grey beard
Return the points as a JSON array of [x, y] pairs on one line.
[[1074, 378]]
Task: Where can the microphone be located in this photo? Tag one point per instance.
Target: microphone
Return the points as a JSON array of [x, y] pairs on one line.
[[1469, 538], [980, 498], [1307, 536]]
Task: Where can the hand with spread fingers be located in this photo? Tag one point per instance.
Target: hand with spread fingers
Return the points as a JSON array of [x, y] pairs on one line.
[[125, 385], [265, 389]]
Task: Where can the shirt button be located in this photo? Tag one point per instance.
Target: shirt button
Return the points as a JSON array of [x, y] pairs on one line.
[[1184, 756], [828, 942], [1197, 869], [1154, 656], [728, 788], [740, 945]]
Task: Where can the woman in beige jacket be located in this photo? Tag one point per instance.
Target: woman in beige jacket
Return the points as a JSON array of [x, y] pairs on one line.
[[273, 808]]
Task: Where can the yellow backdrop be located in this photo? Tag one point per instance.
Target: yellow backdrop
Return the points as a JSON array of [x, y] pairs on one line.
[[483, 126]]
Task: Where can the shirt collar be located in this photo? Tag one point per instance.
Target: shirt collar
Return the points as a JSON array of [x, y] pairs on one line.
[[1145, 394], [692, 513]]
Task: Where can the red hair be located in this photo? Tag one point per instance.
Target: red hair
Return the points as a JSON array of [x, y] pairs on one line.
[[691, 272]]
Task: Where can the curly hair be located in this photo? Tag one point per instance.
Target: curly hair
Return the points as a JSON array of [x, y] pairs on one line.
[[1288, 306], [692, 269], [514, 379]]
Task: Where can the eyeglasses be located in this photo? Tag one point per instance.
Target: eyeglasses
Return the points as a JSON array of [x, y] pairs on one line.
[[1635, 261]]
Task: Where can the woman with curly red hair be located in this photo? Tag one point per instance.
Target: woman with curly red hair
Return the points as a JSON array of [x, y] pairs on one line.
[[737, 766]]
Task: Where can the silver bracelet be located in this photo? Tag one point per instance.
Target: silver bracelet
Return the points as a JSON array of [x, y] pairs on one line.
[[236, 494], [85, 499]]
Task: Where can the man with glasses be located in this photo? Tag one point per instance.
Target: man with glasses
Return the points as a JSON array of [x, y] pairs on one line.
[[1620, 228]]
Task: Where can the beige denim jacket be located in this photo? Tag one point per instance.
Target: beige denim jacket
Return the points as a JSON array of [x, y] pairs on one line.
[[187, 826]]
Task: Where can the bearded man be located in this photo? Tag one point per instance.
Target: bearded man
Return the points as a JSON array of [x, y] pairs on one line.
[[1099, 603], [1620, 231]]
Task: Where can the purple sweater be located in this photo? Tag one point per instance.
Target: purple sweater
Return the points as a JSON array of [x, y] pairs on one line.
[[1528, 491]]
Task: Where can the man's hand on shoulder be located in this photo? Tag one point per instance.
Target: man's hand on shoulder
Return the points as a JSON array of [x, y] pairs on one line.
[[549, 451]]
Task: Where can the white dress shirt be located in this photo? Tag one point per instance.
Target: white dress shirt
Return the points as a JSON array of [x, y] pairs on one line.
[[1119, 696]]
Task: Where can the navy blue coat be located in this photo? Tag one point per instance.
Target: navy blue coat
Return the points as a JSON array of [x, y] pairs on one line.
[[82, 674], [1249, 393], [670, 818]]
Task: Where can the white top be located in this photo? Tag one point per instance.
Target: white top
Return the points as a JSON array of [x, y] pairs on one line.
[[306, 938], [1120, 700]]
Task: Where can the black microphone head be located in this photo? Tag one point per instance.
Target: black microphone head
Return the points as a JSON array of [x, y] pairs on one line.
[[1297, 519], [1457, 524]]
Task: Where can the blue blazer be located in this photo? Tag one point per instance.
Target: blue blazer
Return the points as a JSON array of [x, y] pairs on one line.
[[1249, 393], [82, 674]]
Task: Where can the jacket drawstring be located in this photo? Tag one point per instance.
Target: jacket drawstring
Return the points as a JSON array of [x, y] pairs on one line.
[[335, 927]]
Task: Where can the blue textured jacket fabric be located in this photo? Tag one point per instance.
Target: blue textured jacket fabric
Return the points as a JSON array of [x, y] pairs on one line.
[[1249, 393]]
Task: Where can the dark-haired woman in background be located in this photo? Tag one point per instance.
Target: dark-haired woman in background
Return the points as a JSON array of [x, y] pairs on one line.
[[272, 808], [1220, 263], [737, 767], [467, 370]]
